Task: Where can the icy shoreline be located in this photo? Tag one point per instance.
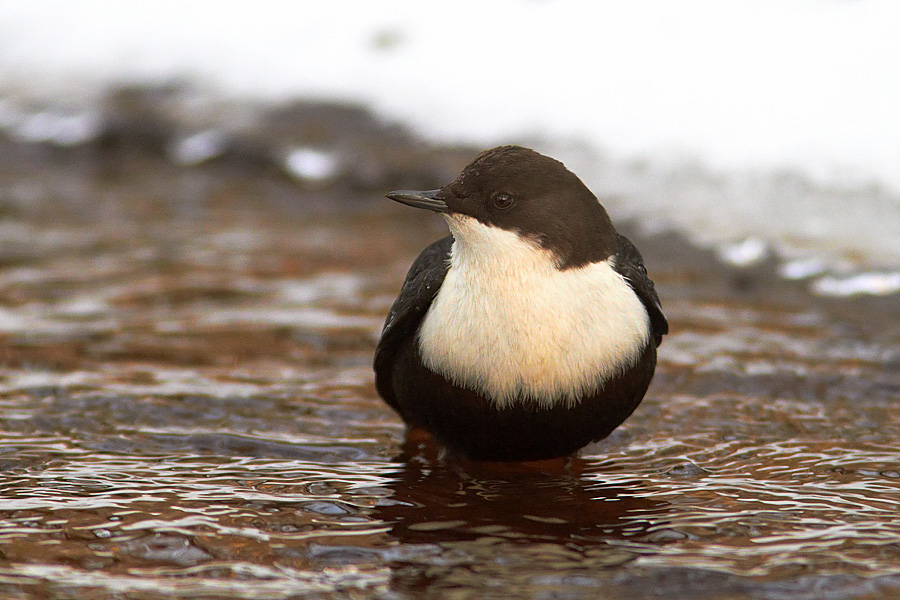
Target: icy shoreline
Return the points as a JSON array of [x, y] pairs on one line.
[[189, 129], [755, 128]]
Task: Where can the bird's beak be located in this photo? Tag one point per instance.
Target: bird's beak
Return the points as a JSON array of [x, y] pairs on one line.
[[430, 200]]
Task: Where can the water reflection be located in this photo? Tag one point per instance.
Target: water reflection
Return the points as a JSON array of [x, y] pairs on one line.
[[448, 500]]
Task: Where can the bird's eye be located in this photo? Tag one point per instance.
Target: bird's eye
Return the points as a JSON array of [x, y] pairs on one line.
[[503, 200]]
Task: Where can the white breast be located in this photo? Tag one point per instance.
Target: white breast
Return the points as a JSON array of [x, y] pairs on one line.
[[509, 325]]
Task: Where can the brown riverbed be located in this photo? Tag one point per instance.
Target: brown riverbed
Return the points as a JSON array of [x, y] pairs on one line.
[[187, 406]]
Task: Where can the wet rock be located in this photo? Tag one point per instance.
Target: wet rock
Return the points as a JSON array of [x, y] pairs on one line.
[[165, 548]]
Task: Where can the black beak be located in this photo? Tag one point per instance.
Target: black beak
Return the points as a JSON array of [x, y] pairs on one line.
[[430, 200]]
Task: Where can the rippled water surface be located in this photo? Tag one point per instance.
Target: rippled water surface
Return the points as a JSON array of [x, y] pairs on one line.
[[187, 410]]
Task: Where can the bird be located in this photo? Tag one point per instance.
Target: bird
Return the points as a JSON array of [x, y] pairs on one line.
[[532, 329]]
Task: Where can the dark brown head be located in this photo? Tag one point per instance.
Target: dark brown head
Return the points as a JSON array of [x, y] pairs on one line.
[[520, 190]]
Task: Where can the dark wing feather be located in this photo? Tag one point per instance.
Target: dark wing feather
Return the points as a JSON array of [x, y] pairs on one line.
[[630, 265], [421, 286]]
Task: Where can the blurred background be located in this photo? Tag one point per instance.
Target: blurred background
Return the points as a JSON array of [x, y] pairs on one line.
[[760, 128]]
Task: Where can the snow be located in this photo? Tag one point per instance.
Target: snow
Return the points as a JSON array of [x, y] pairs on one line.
[[738, 90]]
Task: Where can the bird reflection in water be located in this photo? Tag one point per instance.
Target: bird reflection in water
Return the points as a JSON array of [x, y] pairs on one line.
[[448, 499]]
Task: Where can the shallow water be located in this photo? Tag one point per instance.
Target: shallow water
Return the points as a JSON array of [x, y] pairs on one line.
[[187, 409]]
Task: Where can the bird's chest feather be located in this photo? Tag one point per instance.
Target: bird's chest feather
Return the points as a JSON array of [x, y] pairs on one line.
[[511, 326]]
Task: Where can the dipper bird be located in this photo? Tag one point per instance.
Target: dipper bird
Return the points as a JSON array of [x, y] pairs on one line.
[[532, 329]]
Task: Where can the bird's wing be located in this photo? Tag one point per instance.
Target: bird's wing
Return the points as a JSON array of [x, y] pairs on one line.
[[421, 286], [630, 265]]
